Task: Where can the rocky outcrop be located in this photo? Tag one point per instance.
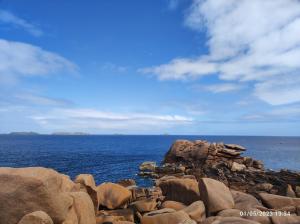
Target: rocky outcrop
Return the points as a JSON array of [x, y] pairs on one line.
[[225, 162], [200, 183]]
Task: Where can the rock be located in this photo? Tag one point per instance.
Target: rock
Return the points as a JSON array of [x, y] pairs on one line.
[[285, 219], [39, 189], [277, 201], [298, 210], [113, 195], [183, 190], [84, 208], [146, 205], [127, 183], [215, 195], [173, 205], [230, 152], [138, 193], [264, 187], [148, 166], [258, 164], [230, 213], [183, 150], [106, 216], [38, 217], [85, 180], [290, 192], [298, 191], [166, 216], [237, 167], [235, 147], [154, 193], [244, 201], [88, 185], [196, 211], [233, 220]]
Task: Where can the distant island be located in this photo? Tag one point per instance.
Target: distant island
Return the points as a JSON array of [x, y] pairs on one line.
[[70, 133], [24, 133]]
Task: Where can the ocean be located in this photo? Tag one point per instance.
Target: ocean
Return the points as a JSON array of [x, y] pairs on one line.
[[115, 157]]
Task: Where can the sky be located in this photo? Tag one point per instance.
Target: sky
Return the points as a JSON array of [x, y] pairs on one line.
[[203, 67]]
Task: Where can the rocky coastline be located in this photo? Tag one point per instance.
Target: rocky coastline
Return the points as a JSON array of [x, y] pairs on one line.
[[197, 183]]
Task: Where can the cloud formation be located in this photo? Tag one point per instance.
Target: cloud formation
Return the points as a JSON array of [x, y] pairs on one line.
[[223, 87], [7, 17], [19, 59], [257, 41], [103, 121]]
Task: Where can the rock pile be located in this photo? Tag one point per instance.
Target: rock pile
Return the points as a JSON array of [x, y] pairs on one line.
[[188, 196], [224, 162]]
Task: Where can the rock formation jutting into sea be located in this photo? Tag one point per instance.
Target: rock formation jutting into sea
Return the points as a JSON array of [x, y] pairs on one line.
[[197, 183]]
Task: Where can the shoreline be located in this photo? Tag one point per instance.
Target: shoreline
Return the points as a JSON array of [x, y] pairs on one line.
[[198, 182]]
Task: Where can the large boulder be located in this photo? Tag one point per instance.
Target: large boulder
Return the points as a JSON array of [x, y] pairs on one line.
[[85, 180], [84, 208], [38, 217], [230, 213], [166, 216], [183, 190], [243, 201], [196, 211], [88, 185], [173, 205], [26, 190], [184, 151], [113, 216], [215, 195], [146, 205], [113, 195], [278, 202]]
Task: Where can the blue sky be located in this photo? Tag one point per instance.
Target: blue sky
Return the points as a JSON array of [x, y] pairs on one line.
[[218, 67]]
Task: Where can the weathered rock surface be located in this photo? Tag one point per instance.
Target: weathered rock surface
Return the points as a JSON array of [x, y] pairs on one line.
[[166, 216], [196, 211], [88, 185], [173, 205], [183, 189], [38, 217], [38, 189], [215, 195], [146, 205], [278, 202], [84, 208], [107, 216], [113, 195]]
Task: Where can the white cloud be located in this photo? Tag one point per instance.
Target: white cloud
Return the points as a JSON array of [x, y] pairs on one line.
[[90, 119], [248, 40], [20, 59], [35, 99], [223, 87], [180, 69], [11, 19]]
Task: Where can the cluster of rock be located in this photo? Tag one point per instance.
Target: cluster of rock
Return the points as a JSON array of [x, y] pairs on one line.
[[183, 193], [223, 162], [44, 196]]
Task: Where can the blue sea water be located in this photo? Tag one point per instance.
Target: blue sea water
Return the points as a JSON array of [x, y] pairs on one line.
[[115, 157]]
